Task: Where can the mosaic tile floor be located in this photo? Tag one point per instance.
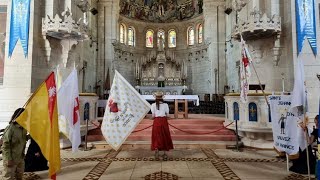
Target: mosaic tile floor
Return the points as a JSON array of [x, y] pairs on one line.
[[185, 162]]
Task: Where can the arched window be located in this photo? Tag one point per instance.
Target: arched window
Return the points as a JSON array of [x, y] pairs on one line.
[[172, 38], [200, 33], [253, 112], [190, 36], [122, 37], [161, 33], [149, 39], [131, 36]]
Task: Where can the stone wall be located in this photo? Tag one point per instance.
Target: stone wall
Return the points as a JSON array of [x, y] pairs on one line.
[[202, 61]]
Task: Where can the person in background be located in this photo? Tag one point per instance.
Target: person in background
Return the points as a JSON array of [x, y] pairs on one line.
[[34, 160], [14, 143], [300, 165], [314, 135], [161, 138]]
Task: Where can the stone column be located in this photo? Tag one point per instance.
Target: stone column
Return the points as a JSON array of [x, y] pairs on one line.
[[107, 33], [214, 33]]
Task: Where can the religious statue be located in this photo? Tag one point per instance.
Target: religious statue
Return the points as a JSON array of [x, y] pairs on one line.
[[161, 44], [161, 7]]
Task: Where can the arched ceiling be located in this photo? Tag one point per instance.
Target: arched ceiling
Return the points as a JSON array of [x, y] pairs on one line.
[[161, 10]]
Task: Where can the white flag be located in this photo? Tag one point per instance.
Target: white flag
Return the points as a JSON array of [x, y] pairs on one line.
[[68, 109], [245, 72], [285, 126], [124, 110], [299, 99]]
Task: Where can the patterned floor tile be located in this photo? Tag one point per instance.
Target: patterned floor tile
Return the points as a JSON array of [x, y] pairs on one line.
[[223, 169], [295, 176], [101, 167], [161, 176], [30, 176]]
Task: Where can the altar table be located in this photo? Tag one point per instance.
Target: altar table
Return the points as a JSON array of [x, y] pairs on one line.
[[178, 99]]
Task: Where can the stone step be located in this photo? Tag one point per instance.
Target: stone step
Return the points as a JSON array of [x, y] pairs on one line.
[[174, 137], [196, 124], [175, 131], [186, 126], [186, 121]]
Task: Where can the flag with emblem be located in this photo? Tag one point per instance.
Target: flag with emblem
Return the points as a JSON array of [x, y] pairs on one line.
[[40, 119], [68, 110], [124, 110], [245, 72]]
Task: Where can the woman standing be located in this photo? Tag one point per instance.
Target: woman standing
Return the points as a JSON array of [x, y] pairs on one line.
[[161, 138], [34, 160], [14, 143]]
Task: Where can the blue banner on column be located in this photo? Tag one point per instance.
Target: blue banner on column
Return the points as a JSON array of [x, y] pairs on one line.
[[19, 25], [306, 24]]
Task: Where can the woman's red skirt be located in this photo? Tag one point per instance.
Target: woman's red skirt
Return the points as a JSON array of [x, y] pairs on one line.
[[161, 138]]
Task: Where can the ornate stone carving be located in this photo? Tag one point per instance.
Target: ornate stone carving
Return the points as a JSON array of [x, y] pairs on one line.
[[238, 4], [64, 28], [257, 27]]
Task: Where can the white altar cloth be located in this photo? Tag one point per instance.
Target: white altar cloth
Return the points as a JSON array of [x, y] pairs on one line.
[[193, 98]]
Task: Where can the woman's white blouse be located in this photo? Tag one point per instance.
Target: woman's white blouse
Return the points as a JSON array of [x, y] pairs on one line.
[[163, 110]]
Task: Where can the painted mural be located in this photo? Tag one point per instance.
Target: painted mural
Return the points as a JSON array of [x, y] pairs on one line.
[[161, 10]]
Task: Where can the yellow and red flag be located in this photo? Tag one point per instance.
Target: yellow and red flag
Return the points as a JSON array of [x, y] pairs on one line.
[[40, 119]]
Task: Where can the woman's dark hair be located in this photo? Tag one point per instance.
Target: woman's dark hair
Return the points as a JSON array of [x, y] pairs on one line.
[[16, 114], [158, 101], [317, 117]]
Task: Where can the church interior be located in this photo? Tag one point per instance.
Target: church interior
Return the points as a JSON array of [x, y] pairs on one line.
[[189, 50]]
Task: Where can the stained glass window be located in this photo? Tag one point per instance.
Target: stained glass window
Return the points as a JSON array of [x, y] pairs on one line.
[[190, 36], [161, 33], [200, 33], [149, 39], [172, 38], [122, 33], [131, 36]]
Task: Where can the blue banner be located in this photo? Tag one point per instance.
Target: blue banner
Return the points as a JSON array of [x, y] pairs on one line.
[[19, 25], [306, 24]]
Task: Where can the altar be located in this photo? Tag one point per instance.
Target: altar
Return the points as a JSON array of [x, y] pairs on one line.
[[167, 90], [184, 99]]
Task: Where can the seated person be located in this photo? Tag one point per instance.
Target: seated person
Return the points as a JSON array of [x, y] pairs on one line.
[[34, 160]]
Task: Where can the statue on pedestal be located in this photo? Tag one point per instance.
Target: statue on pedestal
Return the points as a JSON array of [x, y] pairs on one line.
[[161, 44]]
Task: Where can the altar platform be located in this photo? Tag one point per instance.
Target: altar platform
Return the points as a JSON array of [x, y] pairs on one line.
[[197, 124]]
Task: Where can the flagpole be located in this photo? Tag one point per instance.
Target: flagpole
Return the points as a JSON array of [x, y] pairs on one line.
[[307, 151], [264, 94]]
